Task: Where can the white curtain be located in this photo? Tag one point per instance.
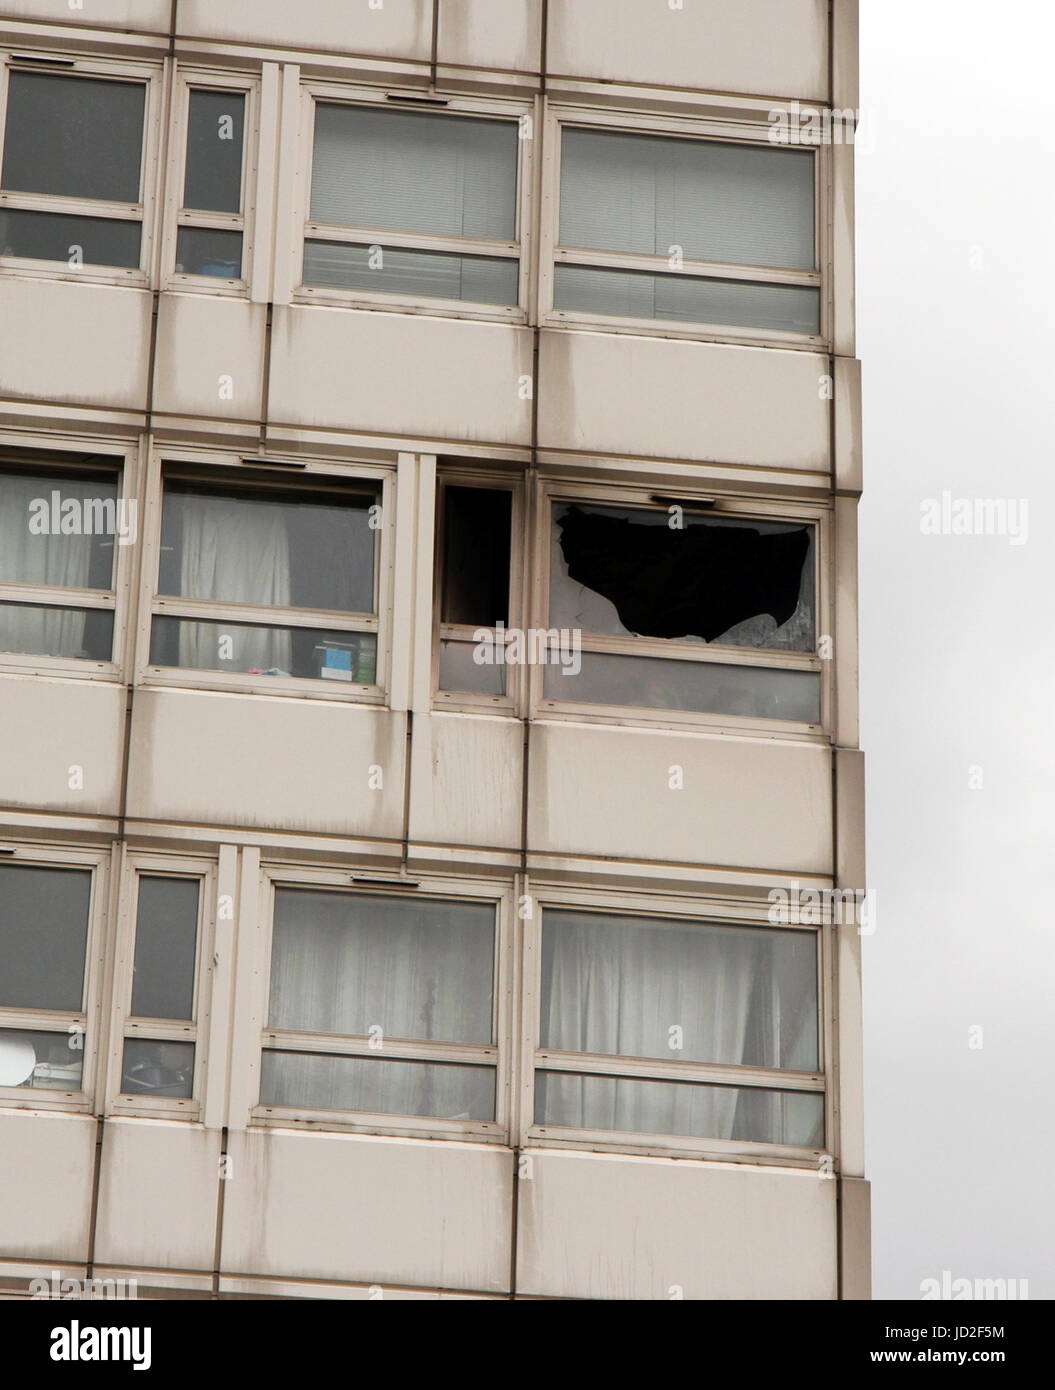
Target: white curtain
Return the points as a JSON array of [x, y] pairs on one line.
[[349, 963], [237, 550], [26, 558]]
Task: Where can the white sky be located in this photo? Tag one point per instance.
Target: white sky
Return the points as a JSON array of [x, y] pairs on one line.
[[956, 317]]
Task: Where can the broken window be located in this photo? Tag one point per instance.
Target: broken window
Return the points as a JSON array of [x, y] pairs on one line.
[[476, 551], [682, 585]]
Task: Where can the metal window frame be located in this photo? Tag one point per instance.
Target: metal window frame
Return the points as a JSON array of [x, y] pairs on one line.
[[702, 910], [223, 470], [705, 127], [145, 212], [90, 1018], [188, 80], [497, 1055], [124, 1025], [736, 506], [519, 249]]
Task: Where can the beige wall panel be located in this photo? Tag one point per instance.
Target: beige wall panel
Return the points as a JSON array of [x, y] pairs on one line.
[[619, 1227], [265, 762], [400, 374], [142, 16], [157, 1195], [753, 804], [668, 398], [76, 344], [54, 726], [465, 780], [203, 340], [481, 33], [46, 1189], [759, 47], [368, 1210], [398, 29]]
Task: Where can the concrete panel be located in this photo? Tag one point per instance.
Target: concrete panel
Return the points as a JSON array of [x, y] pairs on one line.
[[752, 804], [617, 1227], [479, 33], [202, 341], [77, 344], [157, 1195], [400, 374], [140, 16], [668, 398], [855, 1238], [368, 1210], [466, 775], [396, 29], [265, 761], [773, 48], [53, 726], [47, 1161]]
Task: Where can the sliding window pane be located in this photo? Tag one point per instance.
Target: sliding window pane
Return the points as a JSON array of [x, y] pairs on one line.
[[58, 529], [166, 942], [310, 1081], [152, 1068], [204, 251], [53, 236], [41, 1061], [43, 936], [425, 274], [215, 127], [36, 629], [460, 671], [253, 649]]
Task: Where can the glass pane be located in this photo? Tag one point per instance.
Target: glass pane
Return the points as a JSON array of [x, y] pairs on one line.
[[751, 1115], [157, 1068], [701, 687], [41, 1061], [203, 251], [648, 987], [716, 201], [213, 178], [53, 236], [281, 549], [459, 671], [308, 1081], [252, 649], [632, 294], [347, 963], [75, 137], [43, 936], [414, 171], [36, 629], [629, 571], [166, 938], [423, 274], [477, 540], [59, 529]]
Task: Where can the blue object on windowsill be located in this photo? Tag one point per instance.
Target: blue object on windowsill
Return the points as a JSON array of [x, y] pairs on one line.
[[223, 270]]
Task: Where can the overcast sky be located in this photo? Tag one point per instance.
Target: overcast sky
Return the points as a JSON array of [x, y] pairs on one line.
[[956, 318]]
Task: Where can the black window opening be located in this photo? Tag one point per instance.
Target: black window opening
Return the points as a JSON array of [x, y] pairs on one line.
[[476, 549]]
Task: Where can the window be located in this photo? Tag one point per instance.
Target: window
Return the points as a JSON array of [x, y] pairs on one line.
[[159, 1032], [414, 204], [61, 529], [210, 235], [45, 929], [269, 581], [72, 180], [677, 230], [382, 1005], [474, 583], [673, 1027], [708, 613]]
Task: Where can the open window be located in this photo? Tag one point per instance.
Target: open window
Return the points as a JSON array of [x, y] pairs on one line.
[[74, 165], [681, 610]]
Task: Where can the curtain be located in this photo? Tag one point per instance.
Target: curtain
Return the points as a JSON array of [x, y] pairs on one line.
[[236, 550], [26, 558]]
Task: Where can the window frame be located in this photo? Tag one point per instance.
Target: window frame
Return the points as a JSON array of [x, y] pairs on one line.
[[467, 701], [691, 909], [496, 1056], [519, 249], [735, 506], [144, 212], [222, 471], [124, 1025], [709, 128], [90, 1018], [36, 455], [177, 216]]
